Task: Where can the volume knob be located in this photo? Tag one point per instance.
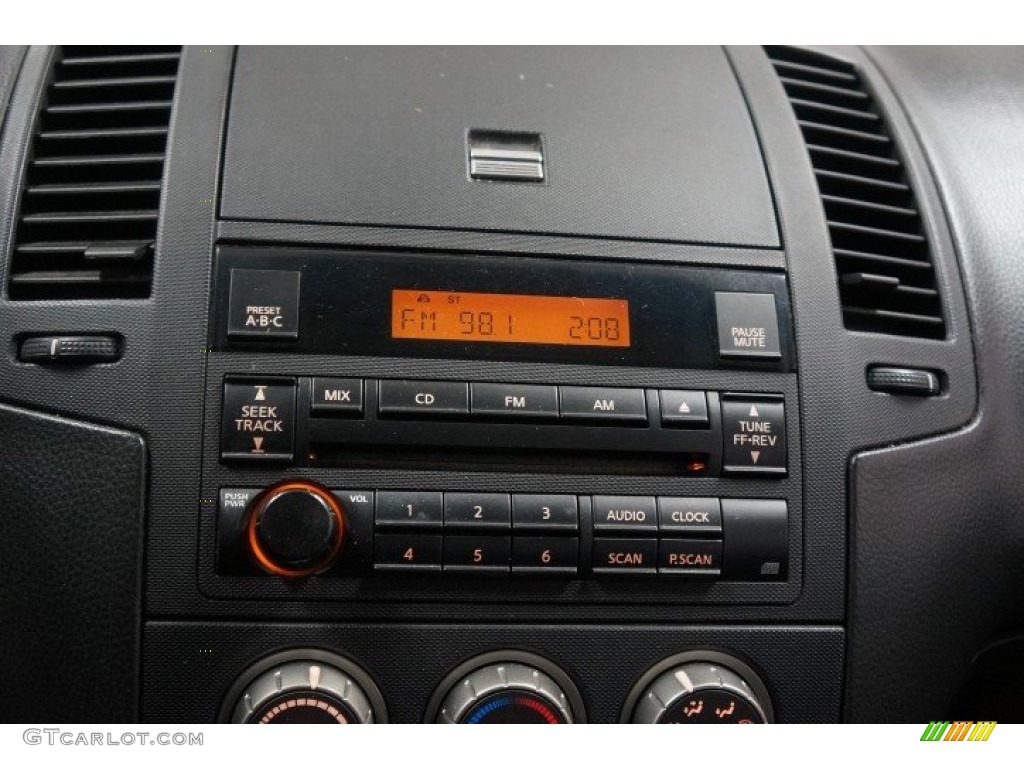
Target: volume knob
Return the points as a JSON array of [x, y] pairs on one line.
[[296, 528]]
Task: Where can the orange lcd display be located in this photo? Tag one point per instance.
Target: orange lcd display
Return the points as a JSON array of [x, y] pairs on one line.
[[509, 318]]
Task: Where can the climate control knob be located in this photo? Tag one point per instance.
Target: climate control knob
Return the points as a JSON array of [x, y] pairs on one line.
[[325, 690], [512, 692], [295, 529], [702, 692]]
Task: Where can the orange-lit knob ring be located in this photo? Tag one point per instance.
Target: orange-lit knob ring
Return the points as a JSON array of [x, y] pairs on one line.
[[290, 486]]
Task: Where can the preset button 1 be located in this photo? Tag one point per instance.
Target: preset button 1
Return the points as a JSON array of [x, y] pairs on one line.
[[409, 509]]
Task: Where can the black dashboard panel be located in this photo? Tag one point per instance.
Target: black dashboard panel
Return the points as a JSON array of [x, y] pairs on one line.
[[375, 136], [335, 176]]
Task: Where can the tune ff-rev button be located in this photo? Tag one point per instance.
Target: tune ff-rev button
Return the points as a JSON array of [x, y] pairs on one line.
[[754, 436], [258, 419]]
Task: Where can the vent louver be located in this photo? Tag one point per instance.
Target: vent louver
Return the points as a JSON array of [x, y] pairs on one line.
[[886, 276], [88, 217]]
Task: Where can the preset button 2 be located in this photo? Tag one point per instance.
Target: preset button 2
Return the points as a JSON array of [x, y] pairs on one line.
[[489, 511]]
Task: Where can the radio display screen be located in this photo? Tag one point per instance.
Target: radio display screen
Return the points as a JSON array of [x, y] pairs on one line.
[[509, 318]]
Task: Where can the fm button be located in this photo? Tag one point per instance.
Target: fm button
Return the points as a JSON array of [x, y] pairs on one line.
[[754, 434]]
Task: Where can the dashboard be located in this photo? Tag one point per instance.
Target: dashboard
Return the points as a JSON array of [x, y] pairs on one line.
[[495, 385]]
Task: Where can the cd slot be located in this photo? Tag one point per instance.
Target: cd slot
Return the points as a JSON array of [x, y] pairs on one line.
[[434, 458]]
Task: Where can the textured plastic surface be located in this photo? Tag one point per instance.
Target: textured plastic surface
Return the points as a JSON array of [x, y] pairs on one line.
[[647, 144], [189, 666], [72, 496], [937, 565]]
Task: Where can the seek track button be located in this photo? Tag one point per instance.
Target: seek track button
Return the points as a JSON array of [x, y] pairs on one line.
[[258, 420]]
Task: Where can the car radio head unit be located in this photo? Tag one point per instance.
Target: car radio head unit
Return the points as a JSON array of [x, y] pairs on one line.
[[403, 414]]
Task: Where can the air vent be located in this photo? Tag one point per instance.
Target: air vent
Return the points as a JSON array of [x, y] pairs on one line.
[[886, 276], [88, 217]]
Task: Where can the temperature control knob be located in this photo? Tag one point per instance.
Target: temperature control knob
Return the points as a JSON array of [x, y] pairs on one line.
[[296, 528], [701, 692], [511, 692], [305, 691]]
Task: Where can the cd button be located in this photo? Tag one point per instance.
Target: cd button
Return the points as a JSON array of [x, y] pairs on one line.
[[545, 555], [476, 554], [407, 552], [524, 401], [477, 510], [679, 514], [626, 556], [603, 404], [424, 398], [690, 557], [343, 397], [543, 512], [409, 509], [684, 408], [625, 513]]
